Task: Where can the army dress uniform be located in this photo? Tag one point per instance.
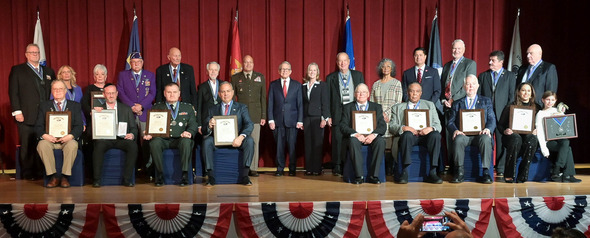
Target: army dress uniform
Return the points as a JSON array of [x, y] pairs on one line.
[[183, 119]]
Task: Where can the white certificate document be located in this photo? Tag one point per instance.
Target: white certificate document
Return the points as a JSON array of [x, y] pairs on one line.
[[471, 121], [58, 125], [417, 119], [522, 120], [122, 129], [158, 122], [363, 123], [226, 129]]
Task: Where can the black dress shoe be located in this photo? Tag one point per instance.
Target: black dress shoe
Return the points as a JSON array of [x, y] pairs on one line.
[[129, 184], [359, 180], [499, 174], [336, 170], [246, 181], [279, 173], [403, 179], [571, 179], [521, 179], [96, 184], [253, 173], [373, 180], [433, 178], [292, 173], [184, 180], [210, 181], [487, 179], [459, 177], [159, 183], [308, 173]]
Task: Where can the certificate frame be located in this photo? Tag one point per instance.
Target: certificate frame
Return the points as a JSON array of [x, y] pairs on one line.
[[158, 123], [103, 121], [413, 114], [524, 115], [568, 124], [94, 98], [470, 117], [225, 125], [52, 117], [362, 117]]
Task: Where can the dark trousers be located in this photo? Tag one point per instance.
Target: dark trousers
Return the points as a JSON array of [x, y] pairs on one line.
[[377, 147], [314, 142], [184, 146], [483, 142], [31, 164], [209, 148], [500, 152], [286, 135], [519, 145], [338, 148], [431, 142], [101, 146], [565, 158]]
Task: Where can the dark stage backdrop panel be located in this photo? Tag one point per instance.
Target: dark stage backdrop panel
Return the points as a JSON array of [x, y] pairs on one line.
[[82, 33]]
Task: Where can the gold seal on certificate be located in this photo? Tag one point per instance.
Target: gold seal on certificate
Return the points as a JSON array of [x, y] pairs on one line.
[[471, 121], [364, 121], [226, 129], [104, 124], [417, 118], [58, 124], [158, 123], [522, 119]]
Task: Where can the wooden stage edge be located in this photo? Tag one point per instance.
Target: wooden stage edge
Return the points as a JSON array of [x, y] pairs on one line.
[[268, 188]]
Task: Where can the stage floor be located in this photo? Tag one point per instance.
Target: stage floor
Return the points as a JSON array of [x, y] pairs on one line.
[[268, 188]]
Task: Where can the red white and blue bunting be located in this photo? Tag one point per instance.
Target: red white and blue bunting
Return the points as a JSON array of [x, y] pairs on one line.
[[169, 220], [300, 219], [385, 217], [538, 216], [54, 220]]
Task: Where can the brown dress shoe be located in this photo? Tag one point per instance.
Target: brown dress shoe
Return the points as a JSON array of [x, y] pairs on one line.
[[53, 182], [64, 182]]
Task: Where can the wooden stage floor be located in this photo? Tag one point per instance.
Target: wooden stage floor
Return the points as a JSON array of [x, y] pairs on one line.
[[268, 188]]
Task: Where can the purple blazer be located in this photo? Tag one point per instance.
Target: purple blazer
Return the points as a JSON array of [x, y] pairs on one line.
[[144, 94]]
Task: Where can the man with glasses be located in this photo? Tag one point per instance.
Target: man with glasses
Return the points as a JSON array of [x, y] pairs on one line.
[[285, 116], [29, 85]]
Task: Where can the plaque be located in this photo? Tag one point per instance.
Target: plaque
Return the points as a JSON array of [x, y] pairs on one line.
[[417, 118], [104, 124], [560, 127], [96, 99], [225, 130], [158, 123], [58, 124], [364, 122], [472, 121], [522, 119]]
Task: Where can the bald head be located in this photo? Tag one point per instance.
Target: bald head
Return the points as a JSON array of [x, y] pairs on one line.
[[343, 61], [248, 64], [174, 56], [534, 54]]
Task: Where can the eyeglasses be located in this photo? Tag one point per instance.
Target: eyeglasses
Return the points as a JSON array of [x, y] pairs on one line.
[[285, 69], [33, 52]]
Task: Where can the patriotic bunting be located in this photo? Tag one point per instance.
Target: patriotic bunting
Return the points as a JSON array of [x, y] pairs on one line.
[[54, 220], [300, 219], [385, 217], [538, 216], [169, 220]]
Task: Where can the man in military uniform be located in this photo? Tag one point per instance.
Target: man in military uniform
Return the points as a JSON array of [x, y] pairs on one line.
[[250, 89], [183, 127]]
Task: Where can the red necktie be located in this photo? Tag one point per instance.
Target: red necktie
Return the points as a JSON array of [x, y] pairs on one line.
[[285, 88], [420, 76], [226, 109], [59, 106], [448, 87]]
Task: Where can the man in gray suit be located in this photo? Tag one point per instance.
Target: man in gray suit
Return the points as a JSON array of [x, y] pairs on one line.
[[498, 84], [427, 136]]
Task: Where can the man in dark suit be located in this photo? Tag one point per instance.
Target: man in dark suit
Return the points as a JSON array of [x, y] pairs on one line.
[[499, 85], [425, 75], [250, 88], [409, 136], [207, 94], [356, 139], [243, 142], [125, 142], [182, 128], [29, 85], [541, 74], [66, 142], [285, 116], [179, 73], [341, 85], [484, 138]]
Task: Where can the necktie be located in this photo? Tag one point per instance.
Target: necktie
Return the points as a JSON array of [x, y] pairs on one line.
[[420, 76], [362, 107], [470, 102], [172, 107], [285, 88], [448, 90], [226, 109], [248, 77], [174, 75], [530, 73], [136, 79], [59, 106]]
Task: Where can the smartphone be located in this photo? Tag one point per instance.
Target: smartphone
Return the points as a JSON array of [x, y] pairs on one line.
[[435, 223]]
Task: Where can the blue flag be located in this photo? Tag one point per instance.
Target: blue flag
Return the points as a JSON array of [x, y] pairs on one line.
[[133, 42], [434, 53], [348, 48]]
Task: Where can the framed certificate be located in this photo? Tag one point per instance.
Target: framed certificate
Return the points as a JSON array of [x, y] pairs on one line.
[[104, 124], [58, 124], [96, 99], [225, 130], [364, 122], [522, 119], [560, 127], [471, 121], [417, 118], [158, 123]]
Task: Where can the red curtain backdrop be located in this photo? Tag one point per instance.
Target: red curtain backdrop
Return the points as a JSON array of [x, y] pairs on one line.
[[83, 33]]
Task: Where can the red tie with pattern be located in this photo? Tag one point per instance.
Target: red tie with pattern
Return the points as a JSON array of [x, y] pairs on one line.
[[226, 109], [448, 87], [285, 88], [420, 76], [59, 106]]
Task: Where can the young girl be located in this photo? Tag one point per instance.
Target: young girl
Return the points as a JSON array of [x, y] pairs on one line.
[[563, 169]]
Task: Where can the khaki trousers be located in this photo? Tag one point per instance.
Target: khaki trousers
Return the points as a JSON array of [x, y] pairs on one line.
[[70, 150]]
